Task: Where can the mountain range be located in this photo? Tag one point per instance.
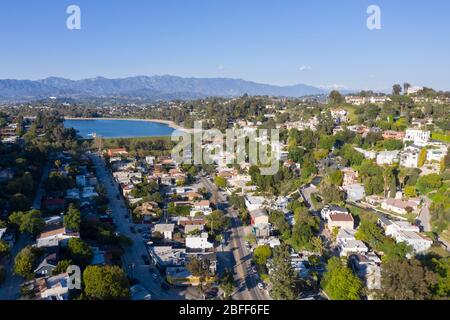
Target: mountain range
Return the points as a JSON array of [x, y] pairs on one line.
[[145, 87]]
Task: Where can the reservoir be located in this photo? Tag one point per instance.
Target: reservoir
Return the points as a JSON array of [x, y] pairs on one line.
[[107, 128]]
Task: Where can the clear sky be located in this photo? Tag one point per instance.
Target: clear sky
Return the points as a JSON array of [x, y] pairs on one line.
[[320, 42]]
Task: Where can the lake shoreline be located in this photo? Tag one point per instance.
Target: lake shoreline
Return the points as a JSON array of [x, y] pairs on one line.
[[169, 123]]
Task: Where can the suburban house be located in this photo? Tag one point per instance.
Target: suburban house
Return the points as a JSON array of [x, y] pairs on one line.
[[47, 265], [165, 257], [350, 176], [203, 207], [403, 231], [332, 209], [340, 220], [418, 137], [352, 246], [369, 154], [56, 237], [190, 228], [165, 229], [409, 158], [400, 206], [368, 267], [50, 288], [393, 135], [355, 192], [259, 217], [347, 243], [199, 242], [254, 203], [388, 157]]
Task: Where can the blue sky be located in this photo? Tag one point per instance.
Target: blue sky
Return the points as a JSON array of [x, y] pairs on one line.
[[320, 42]]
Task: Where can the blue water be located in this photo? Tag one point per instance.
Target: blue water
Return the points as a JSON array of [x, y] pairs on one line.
[[118, 128]]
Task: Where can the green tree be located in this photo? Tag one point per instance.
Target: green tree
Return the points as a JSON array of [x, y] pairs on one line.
[[220, 182], [24, 262], [4, 249], [422, 158], [340, 283], [396, 89], [79, 252], [105, 283], [72, 219], [216, 221], [201, 269], [336, 97], [429, 182], [410, 191], [262, 254], [442, 270], [61, 267], [370, 233], [227, 283], [30, 221], [406, 280], [282, 276]]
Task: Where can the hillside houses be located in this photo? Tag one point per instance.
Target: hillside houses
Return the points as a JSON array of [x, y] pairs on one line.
[[403, 231]]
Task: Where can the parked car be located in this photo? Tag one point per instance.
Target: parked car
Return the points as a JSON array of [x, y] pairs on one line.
[[261, 285]]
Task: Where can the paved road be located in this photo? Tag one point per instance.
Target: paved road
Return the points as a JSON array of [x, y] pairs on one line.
[[246, 281], [10, 289], [133, 262], [424, 216]]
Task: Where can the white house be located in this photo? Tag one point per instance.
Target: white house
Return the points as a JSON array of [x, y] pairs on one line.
[[437, 153], [55, 237], [409, 158], [203, 207], [369, 154], [417, 241], [199, 242], [388, 157], [403, 231], [347, 243], [352, 246], [54, 288], [355, 192], [419, 137], [254, 203]]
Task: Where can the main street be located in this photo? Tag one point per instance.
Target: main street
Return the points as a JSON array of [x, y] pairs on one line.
[[132, 258], [245, 279]]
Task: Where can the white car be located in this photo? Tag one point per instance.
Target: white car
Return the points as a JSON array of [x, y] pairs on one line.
[[261, 285]]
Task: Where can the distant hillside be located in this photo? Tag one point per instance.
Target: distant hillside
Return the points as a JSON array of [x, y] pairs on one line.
[[143, 87]]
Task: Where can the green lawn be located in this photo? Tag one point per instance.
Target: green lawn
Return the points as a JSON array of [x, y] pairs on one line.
[[441, 137]]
